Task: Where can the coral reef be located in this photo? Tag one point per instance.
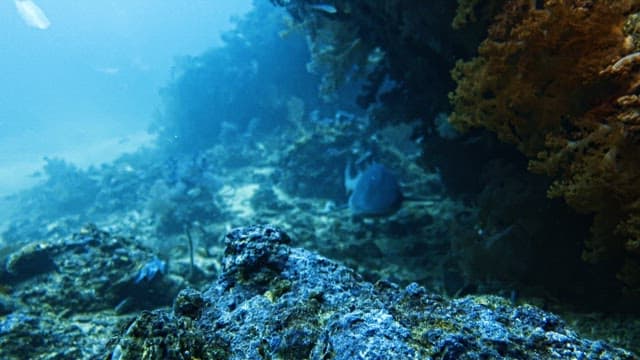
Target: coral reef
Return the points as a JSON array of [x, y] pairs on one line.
[[66, 188], [473, 221], [239, 89], [398, 50], [559, 82], [72, 197], [273, 300], [546, 71]]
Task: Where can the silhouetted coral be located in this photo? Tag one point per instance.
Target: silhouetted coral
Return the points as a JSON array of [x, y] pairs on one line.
[[236, 90], [398, 50]]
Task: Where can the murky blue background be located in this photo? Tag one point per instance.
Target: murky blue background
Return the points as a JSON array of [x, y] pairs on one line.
[[86, 88]]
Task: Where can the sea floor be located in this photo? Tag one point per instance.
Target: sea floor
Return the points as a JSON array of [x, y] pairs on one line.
[[178, 210]]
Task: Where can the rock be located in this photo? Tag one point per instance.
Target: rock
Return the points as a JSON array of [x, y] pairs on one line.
[[89, 271], [189, 303], [274, 301], [30, 260], [63, 298]]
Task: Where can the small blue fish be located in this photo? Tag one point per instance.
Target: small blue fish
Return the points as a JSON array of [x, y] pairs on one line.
[[150, 270], [329, 9]]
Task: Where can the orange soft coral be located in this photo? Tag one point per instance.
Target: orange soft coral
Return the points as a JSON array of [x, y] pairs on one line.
[[560, 83]]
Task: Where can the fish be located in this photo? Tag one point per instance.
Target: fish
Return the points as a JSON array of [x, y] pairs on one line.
[[374, 192], [32, 14], [329, 9], [151, 270]]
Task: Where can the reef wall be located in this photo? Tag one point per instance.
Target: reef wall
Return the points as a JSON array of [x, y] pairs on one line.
[[556, 80]]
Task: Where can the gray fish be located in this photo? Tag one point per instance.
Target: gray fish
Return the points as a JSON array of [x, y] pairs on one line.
[[374, 192]]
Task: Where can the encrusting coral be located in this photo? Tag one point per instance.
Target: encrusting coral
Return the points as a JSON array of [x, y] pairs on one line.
[[560, 80]]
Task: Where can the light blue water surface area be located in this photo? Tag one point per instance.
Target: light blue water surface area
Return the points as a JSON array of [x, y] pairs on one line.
[[82, 84]]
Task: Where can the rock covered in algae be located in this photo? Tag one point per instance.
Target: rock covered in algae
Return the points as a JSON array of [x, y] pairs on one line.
[[61, 299], [275, 301], [89, 271]]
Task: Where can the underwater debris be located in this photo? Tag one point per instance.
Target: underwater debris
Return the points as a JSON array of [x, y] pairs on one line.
[[374, 192], [32, 14]]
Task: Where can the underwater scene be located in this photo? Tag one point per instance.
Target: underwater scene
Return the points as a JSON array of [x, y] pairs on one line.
[[308, 179]]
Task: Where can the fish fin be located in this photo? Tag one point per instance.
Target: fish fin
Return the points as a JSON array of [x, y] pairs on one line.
[[350, 181]]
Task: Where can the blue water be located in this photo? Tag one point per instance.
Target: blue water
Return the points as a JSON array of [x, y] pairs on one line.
[[86, 88]]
